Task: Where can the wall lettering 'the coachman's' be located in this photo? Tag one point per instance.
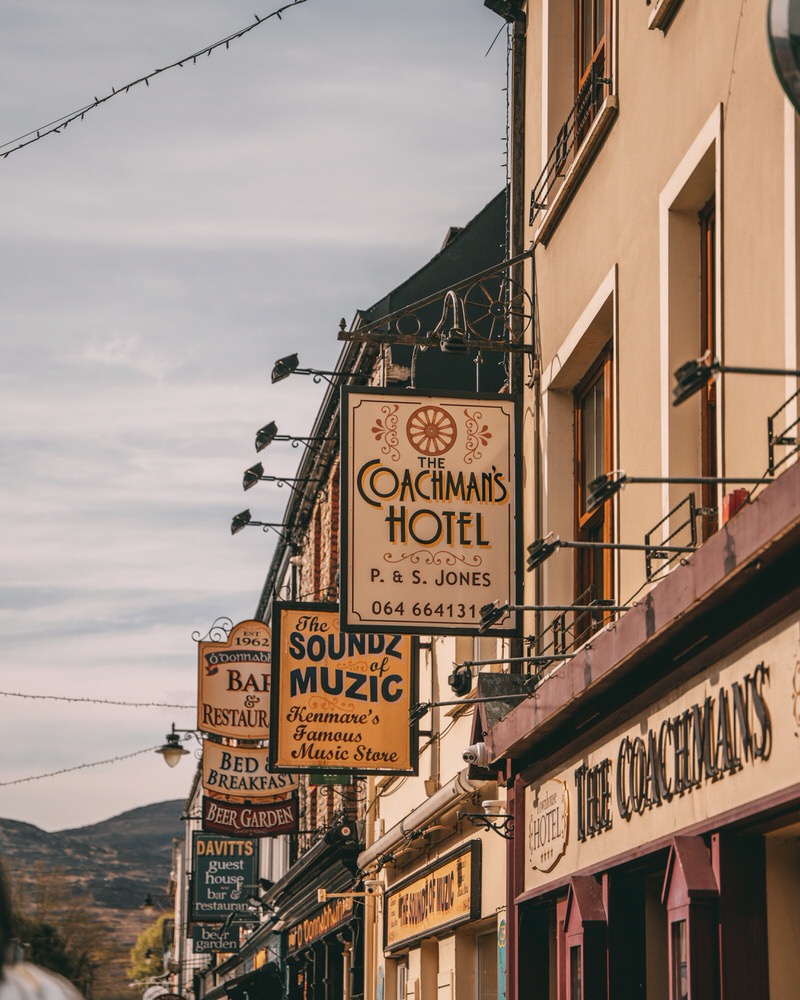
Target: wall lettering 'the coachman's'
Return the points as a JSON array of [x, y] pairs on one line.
[[704, 743]]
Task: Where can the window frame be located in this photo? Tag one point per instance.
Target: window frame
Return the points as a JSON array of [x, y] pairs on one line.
[[593, 565]]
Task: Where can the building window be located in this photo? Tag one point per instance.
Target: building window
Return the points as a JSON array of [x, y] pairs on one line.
[[708, 345], [575, 973], [577, 104], [691, 897], [679, 978], [593, 574], [487, 966], [592, 23], [401, 980]]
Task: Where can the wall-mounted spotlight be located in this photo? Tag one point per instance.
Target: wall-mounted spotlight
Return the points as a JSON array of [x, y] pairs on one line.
[[543, 548], [494, 611], [423, 707], [460, 680], [172, 751], [269, 433], [290, 365], [244, 519], [604, 487], [696, 374], [255, 474]]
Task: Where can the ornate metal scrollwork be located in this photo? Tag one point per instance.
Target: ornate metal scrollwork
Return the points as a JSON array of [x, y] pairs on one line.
[[489, 311], [356, 791], [219, 631]]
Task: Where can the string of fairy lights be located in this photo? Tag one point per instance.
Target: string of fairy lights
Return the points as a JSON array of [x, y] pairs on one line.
[[77, 767], [93, 701], [59, 124], [86, 701]]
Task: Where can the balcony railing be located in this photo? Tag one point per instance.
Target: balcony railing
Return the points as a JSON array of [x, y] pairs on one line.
[[786, 417], [677, 528], [570, 137]]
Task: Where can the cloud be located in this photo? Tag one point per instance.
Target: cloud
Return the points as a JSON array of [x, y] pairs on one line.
[[158, 258]]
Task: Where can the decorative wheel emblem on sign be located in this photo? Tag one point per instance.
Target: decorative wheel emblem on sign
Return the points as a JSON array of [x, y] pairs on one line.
[[431, 430]]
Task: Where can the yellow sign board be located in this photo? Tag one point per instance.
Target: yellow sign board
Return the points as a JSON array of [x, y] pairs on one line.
[[233, 683], [340, 701], [446, 894]]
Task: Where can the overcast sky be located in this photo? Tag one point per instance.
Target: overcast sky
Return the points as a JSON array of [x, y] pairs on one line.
[[157, 258]]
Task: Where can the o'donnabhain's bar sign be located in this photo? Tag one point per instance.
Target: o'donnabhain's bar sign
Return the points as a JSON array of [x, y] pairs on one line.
[[233, 683], [430, 501]]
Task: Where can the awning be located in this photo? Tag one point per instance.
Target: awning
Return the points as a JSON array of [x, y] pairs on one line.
[[260, 984]]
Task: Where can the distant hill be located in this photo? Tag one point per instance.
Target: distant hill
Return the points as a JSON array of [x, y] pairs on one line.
[[118, 862], [115, 864]]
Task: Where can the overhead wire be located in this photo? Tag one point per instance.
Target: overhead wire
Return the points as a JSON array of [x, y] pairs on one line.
[[57, 124], [77, 767], [93, 701]]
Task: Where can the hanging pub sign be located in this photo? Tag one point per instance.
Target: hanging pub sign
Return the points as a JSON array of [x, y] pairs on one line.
[[224, 873], [233, 683], [340, 701], [207, 938], [430, 503], [242, 774], [250, 819]]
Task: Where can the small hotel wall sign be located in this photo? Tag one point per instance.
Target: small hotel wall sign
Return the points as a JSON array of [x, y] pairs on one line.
[[233, 683], [430, 496], [722, 741], [340, 701], [548, 825], [445, 895]]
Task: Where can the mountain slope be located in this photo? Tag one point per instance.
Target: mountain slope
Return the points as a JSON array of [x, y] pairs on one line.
[[113, 864]]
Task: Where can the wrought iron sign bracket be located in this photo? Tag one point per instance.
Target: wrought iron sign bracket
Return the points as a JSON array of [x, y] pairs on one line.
[[489, 311]]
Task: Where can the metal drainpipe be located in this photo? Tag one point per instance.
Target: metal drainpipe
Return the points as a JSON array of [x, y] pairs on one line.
[[517, 242], [436, 725], [446, 798]]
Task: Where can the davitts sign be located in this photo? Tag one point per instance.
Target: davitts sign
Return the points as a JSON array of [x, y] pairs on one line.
[[224, 873], [340, 701], [233, 683], [429, 508]]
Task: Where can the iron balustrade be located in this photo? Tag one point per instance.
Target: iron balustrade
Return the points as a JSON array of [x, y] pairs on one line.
[[570, 136], [655, 558], [786, 438]]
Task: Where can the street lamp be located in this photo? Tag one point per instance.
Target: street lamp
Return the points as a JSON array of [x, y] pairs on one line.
[[172, 751]]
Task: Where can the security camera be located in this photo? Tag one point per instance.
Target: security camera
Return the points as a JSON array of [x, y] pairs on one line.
[[477, 754], [372, 886]]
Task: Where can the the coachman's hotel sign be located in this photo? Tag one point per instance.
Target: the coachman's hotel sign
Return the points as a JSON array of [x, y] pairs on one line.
[[430, 496], [714, 748]]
